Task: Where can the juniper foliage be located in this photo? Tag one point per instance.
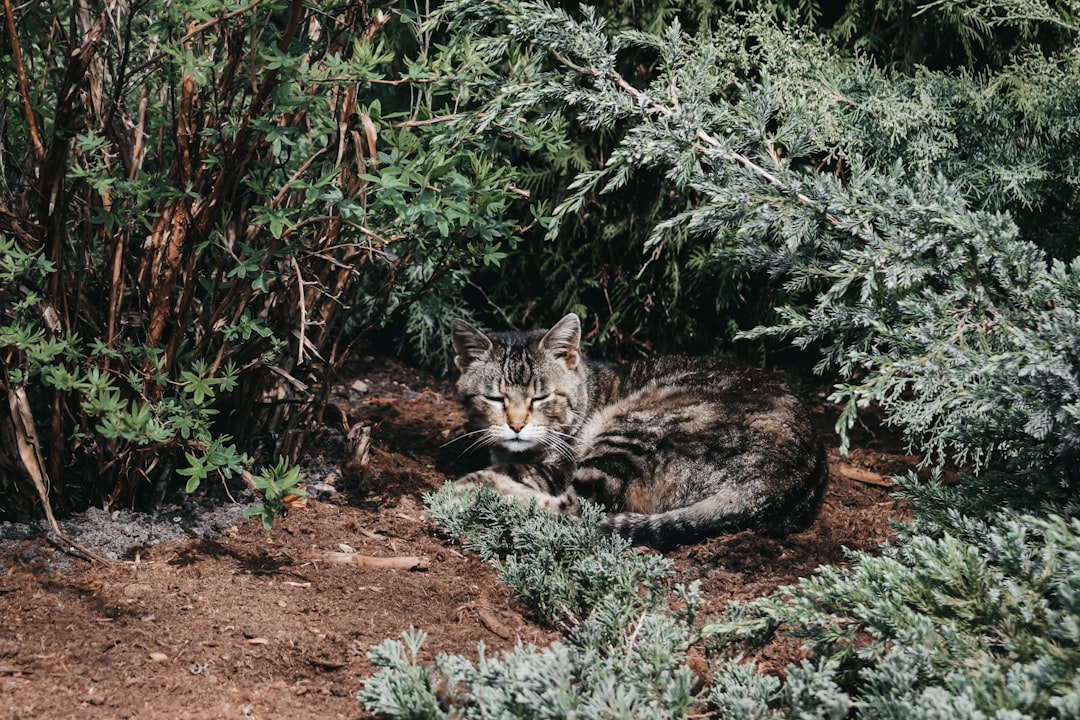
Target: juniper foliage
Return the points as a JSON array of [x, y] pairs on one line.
[[883, 208], [1006, 138], [916, 230], [562, 567], [624, 652], [980, 618]]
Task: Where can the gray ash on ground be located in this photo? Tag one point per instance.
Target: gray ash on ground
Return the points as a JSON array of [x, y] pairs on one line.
[[120, 534]]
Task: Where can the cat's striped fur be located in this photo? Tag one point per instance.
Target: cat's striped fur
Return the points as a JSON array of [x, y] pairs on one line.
[[676, 448]]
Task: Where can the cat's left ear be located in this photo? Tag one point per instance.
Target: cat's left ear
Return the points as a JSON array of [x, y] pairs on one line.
[[563, 340], [469, 343]]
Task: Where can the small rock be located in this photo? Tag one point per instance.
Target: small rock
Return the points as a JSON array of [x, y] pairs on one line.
[[321, 491]]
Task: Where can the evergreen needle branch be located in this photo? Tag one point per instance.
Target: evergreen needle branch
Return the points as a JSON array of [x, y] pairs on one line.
[[429, 121], [715, 147]]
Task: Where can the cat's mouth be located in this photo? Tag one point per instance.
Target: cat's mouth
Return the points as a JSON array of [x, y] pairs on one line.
[[519, 440], [518, 443]]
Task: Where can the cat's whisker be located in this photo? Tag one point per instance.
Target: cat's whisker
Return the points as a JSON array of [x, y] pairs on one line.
[[487, 438], [554, 440], [559, 437], [464, 436]]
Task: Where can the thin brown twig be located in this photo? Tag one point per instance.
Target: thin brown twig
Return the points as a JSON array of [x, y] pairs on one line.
[[296, 10], [140, 128], [215, 21], [300, 171], [303, 312], [24, 90], [382, 242]]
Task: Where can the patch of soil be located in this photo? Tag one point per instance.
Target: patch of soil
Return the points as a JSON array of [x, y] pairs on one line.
[[256, 624]]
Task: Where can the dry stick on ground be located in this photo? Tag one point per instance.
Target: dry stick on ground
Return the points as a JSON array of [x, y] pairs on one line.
[[867, 477], [30, 455], [404, 562]]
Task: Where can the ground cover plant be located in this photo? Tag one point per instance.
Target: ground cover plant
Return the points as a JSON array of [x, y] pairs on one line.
[[977, 620]]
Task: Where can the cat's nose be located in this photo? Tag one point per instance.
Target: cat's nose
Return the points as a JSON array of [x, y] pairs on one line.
[[517, 416]]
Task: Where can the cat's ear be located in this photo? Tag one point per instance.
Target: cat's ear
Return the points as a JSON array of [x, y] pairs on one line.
[[469, 343], [563, 340]]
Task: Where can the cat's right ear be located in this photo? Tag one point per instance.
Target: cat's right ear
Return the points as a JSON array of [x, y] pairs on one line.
[[469, 343]]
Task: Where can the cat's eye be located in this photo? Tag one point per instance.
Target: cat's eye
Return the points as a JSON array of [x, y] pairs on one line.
[[495, 399], [541, 398]]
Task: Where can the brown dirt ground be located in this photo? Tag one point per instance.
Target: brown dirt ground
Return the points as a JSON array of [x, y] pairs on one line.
[[247, 625]]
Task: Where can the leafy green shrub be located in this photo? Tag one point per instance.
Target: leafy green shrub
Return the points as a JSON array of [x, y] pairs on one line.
[[280, 487], [190, 196]]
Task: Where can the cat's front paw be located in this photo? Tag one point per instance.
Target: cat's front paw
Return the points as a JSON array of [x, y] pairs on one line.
[[463, 488], [565, 504], [481, 478]]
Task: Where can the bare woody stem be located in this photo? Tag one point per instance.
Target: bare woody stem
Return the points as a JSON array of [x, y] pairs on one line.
[[24, 90]]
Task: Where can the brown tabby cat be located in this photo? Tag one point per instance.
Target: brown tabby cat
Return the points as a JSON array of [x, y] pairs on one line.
[[677, 448]]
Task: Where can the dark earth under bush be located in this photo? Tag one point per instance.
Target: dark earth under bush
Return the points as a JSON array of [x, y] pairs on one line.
[[257, 624]]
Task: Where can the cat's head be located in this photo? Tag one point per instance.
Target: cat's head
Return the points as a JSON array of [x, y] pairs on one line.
[[523, 391]]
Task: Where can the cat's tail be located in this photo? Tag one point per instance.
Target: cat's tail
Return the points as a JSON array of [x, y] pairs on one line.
[[718, 515]]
